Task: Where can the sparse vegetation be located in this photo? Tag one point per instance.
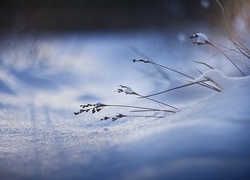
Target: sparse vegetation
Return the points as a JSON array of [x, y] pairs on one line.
[[205, 81]]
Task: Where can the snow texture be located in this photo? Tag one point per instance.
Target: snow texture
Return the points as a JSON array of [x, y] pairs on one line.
[[41, 138], [207, 140]]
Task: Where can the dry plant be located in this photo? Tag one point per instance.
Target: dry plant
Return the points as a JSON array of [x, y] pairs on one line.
[[165, 108]]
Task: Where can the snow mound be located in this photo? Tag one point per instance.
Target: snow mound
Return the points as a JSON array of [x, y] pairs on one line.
[[219, 79], [203, 141], [232, 102]]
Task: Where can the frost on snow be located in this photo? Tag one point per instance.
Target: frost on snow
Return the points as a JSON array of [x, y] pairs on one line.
[[201, 38]]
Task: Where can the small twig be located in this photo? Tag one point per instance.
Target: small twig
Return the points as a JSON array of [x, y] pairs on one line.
[[238, 45], [119, 116], [244, 48], [198, 71], [153, 63], [139, 107], [146, 61], [165, 67], [128, 90], [99, 106], [153, 110], [226, 57], [227, 48], [198, 62], [174, 88], [208, 86]]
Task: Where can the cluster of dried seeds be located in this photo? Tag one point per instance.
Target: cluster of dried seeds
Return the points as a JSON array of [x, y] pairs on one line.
[[90, 107]]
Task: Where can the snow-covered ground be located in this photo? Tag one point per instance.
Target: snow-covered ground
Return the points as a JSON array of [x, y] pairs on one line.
[[41, 138]]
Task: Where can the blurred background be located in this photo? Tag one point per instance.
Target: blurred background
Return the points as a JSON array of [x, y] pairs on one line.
[[49, 45], [122, 15], [97, 15]]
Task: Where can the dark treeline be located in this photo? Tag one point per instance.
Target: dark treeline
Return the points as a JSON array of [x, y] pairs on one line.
[[86, 15]]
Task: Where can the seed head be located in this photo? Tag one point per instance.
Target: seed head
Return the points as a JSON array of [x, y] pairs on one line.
[[118, 116], [93, 107], [201, 38], [126, 90]]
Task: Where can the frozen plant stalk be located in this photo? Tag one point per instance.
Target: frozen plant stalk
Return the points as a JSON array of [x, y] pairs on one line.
[[201, 39]]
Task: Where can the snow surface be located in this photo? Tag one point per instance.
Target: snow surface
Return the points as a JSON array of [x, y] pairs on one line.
[[41, 138]]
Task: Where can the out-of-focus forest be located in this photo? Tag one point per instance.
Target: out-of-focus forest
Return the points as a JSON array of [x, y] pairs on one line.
[[98, 15]]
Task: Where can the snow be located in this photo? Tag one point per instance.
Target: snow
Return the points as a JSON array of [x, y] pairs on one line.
[[200, 38], [219, 79], [41, 138], [210, 137], [126, 90]]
